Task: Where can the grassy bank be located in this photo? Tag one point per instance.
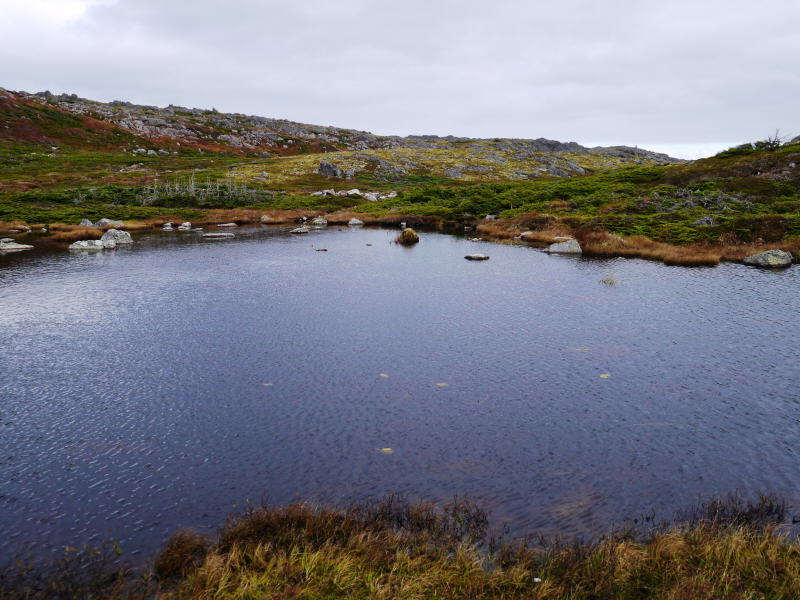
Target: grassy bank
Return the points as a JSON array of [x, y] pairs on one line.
[[721, 208], [395, 549]]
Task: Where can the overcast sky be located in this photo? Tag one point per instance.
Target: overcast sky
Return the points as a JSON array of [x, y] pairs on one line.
[[687, 77]]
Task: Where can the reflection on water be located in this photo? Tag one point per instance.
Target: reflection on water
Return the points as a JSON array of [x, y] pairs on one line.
[[158, 386]]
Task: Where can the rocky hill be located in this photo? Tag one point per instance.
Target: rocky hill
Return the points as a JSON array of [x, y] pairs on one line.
[[171, 128]]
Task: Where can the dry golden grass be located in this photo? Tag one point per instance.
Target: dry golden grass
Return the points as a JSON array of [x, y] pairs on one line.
[[7, 226], [59, 232]]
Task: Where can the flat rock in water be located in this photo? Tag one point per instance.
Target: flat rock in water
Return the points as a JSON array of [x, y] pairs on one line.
[[477, 257], [119, 237], [319, 223], [567, 247], [227, 225], [92, 245], [9, 245], [355, 222], [771, 259], [218, 235], [299, 230]]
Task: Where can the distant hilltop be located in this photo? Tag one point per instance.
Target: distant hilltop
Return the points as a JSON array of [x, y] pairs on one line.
[[213, 131]]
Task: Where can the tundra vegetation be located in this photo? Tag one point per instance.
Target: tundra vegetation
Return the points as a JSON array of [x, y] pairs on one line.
[[395, 549], [63, 158]]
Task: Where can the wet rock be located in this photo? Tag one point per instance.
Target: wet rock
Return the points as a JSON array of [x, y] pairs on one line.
[[407, 237], [570, 246], [477, 256], [185, 226], [227, 225], [319, 223], [300, 230], [117, 236], [771, 259], [218, 235], [355, 222]]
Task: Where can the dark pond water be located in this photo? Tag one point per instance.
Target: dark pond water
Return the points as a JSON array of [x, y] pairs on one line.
[[159, 386]]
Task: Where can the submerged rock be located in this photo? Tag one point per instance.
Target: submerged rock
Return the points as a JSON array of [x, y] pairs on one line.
[[570, 246], [774, 259], [355, 222], [117, 236], [300, 230], [218, 235], [477, 257], [408, 237], [319, 223], [227, 225]]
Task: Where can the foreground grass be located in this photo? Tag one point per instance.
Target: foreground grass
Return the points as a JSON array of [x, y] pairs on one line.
[[396, 549]]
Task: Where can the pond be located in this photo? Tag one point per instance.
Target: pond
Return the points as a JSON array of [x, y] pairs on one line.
[[163, 385]]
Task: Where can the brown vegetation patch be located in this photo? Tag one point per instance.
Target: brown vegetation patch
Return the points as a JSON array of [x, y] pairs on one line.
[[60, 232]]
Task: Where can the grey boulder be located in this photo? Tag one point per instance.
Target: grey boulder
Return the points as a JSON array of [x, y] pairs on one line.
[[319, 223], [300, 230], [86, 223], [773, 259], [109, 223], [355, 222], [117, 236], [567, 247]]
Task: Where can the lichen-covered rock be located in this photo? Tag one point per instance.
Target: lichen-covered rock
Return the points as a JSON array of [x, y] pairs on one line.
[[407, 237], [703, 222], [117, 236], [567, 247], [773, 259]]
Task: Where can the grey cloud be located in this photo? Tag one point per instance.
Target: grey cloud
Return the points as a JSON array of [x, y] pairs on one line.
[[627, 71]]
